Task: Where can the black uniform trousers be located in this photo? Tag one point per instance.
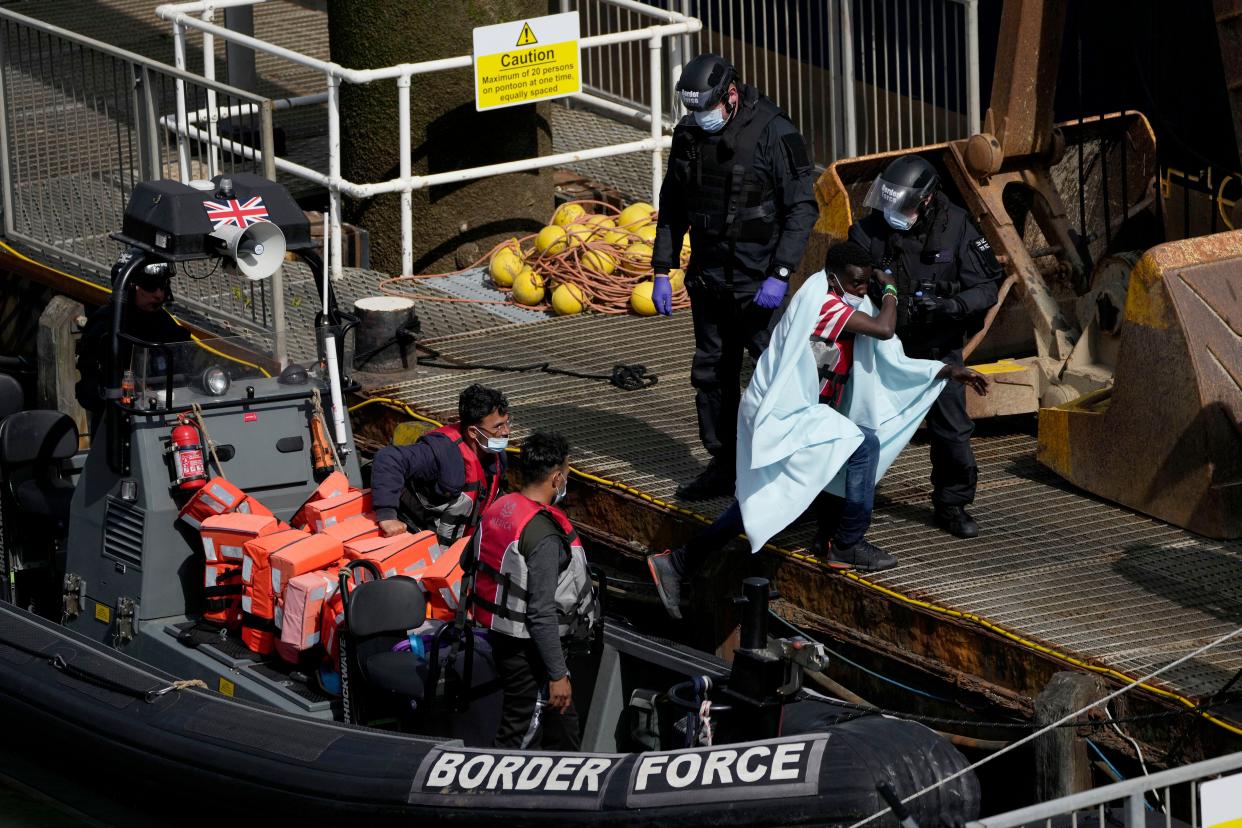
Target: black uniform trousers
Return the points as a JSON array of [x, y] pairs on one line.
[[725, 324], [521, 672], [954, 473]]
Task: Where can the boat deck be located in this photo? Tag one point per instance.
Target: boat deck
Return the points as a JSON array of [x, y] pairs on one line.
[[1054, 569]]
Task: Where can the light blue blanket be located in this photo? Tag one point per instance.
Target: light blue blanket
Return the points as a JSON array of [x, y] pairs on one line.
[[790, 447]]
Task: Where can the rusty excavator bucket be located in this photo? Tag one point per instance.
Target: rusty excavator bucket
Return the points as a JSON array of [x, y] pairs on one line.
[[1166, 437], [1133, 360]]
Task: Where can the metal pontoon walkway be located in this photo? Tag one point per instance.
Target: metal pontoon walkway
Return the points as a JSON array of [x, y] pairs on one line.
[[1053, 568]]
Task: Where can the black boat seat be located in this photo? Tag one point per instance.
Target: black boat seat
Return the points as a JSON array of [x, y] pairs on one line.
[[32, 446], [48, 498], [395, 672], [380, 613], [12, 399], [37, 436]]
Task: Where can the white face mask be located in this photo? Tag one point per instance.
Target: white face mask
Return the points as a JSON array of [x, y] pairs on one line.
[[559, 495], [495, 445], [898, 221], [711, 120], [850, 299]]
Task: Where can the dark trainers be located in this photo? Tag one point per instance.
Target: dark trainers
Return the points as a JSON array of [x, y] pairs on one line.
[[667, 582], [714, 481], [862, 556], [956, 521]]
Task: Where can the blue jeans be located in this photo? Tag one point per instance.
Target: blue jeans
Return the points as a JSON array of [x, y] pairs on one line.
[[847, 520]]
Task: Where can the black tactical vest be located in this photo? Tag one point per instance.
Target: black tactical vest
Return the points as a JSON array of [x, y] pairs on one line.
[[726, 199]]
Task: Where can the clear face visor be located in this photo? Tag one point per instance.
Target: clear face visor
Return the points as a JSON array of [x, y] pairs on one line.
[[696, 101], [899, 204]]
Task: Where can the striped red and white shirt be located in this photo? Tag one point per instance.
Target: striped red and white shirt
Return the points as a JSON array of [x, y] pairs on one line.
[[831, 328]]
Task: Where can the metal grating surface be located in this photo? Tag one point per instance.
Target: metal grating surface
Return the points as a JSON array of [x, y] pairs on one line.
[[1053, 565]]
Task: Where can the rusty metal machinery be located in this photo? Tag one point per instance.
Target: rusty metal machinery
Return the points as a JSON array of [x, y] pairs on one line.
[[1134, 364]]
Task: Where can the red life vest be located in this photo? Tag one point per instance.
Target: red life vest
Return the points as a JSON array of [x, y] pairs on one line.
[[457, 518], [501, 588]]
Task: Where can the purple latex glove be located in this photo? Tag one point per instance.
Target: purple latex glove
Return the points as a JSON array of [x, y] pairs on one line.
[[662, 295], [771, 292]]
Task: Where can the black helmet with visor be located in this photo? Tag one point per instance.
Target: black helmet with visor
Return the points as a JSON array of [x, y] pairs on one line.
[[704, 81], [902, 189]]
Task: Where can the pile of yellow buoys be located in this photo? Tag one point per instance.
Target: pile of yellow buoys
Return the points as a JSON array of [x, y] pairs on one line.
[[596, 258]]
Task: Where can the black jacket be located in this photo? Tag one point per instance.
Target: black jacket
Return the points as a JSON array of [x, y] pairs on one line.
[[739, 235], [432, 466], [95, 342], [944, 254]]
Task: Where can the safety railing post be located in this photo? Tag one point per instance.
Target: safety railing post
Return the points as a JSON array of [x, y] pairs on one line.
[[657, 118], [213, 115], [1135, 816], [150, 166], [5, 172], [847, 79], [267, 145], [973, 103], [334, 173], [407, 195], [183, 149]]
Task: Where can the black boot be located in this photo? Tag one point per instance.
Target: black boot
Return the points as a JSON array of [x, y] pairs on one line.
[[956, 521], [863, 556], [715, 481]]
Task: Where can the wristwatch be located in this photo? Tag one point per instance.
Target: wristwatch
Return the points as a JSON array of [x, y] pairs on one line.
[[782, 273]]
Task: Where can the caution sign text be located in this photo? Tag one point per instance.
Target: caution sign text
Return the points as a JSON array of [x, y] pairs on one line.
[[526, 60]]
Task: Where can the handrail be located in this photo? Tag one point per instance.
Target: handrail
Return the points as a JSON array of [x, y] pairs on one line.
[[1128, 789], [182, 18]]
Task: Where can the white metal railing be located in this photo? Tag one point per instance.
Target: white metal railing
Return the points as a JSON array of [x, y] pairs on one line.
[[1169, 788], [856, 76], [200, 16]]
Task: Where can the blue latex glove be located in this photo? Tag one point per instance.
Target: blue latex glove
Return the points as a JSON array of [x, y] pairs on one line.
[[771, 292], [662, 295]]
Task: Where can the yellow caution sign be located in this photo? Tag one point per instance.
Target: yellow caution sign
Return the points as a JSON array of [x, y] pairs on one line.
[[526, 61], [227, 688], [103, 613]]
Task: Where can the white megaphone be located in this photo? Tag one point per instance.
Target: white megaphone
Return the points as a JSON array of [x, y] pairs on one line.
[[258, 250]]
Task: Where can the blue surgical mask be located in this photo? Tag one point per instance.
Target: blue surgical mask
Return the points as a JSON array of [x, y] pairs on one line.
[[853, 301], [559, 495], [711, 120], [495, 445], [898, 221]]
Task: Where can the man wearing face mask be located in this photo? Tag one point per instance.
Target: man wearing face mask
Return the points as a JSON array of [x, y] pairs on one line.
[[947, 277], [740, 181], [534, 593], [446, 479], [144, 316]]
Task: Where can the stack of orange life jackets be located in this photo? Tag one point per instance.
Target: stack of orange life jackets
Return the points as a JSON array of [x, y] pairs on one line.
[[277, 585]]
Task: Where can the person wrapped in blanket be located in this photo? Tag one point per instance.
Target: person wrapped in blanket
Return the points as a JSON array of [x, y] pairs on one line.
[[837, 326]]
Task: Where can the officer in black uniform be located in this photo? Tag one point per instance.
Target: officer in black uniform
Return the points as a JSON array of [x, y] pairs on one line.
[[947, 278], [740, 181]]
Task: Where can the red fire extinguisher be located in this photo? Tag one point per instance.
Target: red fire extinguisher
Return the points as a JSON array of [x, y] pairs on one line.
[[187, 451]]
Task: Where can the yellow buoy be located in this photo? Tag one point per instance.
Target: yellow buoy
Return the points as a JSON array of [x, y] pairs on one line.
[[677, 279], [640, 299], [528, 287], [599, 221], [568, 214], [597, 261], [577, 233], [506, 263], [551, 240], [615, 237], [647, 233], [636, 215], [637, 258], [567, 300]]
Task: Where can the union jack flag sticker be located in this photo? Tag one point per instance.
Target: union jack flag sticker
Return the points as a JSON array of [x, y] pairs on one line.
[[233, 212]]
